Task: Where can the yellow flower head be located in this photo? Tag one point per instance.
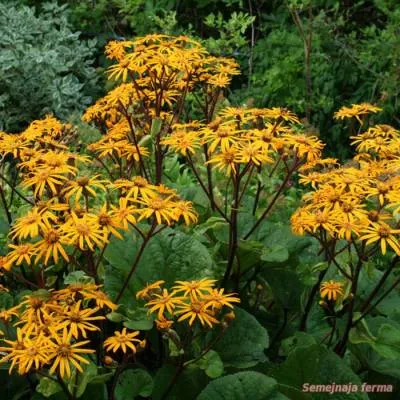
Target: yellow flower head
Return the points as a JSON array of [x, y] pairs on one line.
[[331, 289]]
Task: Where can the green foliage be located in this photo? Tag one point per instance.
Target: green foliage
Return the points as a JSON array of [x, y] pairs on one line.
[[241, 386], [170, 256], [244, 342], [315, 364], [44, 66], [132, 383]]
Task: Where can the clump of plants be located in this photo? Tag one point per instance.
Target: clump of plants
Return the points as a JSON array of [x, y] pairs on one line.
[[126, 256]]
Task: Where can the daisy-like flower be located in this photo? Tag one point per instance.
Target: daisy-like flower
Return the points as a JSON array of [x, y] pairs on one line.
[[139, 186], [356, 110], [84, 231], [78, 320], [32, 223], [163, 302], [222, 138], [384, 234], [51, 246], [101, 299], [183, 142], [64, 352], [197, 310], [163, 324], [43, 179], [125, 213], [32, 353], [217, 299], [194, 289], [185, 210], [252, 153], [19, 254], [124, 341], [163, 209], [331, 289], [149, 289], [108, 221], [84, 186], [226, 160]]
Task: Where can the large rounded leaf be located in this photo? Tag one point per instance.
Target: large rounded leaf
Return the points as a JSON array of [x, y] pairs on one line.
[[315, 365], [244, 342], [132, 383], [169, 256], [247, 385]]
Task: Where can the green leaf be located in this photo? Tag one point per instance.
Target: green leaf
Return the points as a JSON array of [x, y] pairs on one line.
[[48, 387], [275, 254], [243, 343], [170, 256], [139, 325], [299, 339], [285, 284], [115, 317], [190, 382], [138, 318], [315, 364], [132, 383], [89, 372], [241, 386], [212, 364], [101, 378], [155, 127]]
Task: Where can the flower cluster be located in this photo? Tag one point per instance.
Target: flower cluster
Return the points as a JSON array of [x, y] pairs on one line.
[[359, 201], [241, 137], [53, 329], [195, 301], [68, 209], [357, 111], [157, 72]]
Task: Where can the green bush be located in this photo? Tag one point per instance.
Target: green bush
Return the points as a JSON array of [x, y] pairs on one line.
[[44, 66]]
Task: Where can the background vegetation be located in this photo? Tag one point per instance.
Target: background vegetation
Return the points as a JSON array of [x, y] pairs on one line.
[[312, 57]]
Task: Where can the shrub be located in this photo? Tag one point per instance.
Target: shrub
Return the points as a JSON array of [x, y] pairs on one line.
[[44, 67]]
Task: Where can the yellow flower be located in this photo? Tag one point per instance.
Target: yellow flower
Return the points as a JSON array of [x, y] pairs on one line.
[[226, 160], [384, 234], [137, 187], [194, 289], [147, 291], [163, 324], [182, 142], [101, 298], [163, 302], [197, 310], [76, 319], [19, 254], [163, 209], [331, 289], [125, 213], [184, 209], [108, 221], [44, 179], [222, 138], [252, 153], [84, 186], [84, 231], [51, 244], [356, 110], [64, 352], [32, 223], [34, 354], [217, 299], [122, 340]]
